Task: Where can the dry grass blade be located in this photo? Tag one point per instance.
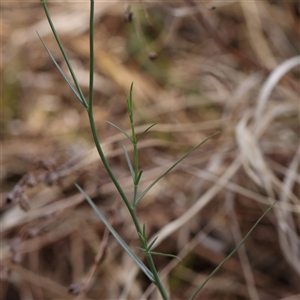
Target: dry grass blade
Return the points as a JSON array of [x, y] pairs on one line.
[[198, 68]]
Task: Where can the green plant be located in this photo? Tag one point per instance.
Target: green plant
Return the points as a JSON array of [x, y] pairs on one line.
[[150, 271]]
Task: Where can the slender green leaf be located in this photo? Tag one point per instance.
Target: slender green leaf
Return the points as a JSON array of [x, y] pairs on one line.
[[117, 127], [147, 272], [129, 104], [128, 162], [60, 70], [63, 53], [231, 254], [145, 131], [158, 253], [142, 237], [139, 177], [129, 109], [171, 168], [164, 254], [129, 99], [152, 243], [142, 249]]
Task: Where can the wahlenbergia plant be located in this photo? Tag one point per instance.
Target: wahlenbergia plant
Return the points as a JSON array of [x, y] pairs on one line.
[[150, 271]]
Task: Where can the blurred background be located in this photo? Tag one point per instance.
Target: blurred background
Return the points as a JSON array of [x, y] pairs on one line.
[[198, 68]]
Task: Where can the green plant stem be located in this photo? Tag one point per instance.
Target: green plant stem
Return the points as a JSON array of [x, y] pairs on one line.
[[105, 163], [148, 255], [92, 121], [134, 143], [135, 173], [91, 115], [91, 84], [155, 274], [136, 161]]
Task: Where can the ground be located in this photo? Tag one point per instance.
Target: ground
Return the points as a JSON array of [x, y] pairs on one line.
[[198, 68]]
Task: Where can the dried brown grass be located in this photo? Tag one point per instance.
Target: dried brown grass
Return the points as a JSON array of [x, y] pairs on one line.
[[229, 69]]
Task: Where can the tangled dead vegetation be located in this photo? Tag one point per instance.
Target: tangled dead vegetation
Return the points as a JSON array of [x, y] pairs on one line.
[[197, 69]]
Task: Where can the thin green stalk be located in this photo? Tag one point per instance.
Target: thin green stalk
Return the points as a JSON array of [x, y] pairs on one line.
[[91, 84], [135, 151], [156, 278], [136, 182], [91, 115], [134, 142], [136, 172], [137, 175], [102, 156], [152, 267]]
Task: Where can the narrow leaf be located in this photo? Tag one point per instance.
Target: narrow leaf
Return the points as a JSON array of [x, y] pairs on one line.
[[128, 162], [142, 249], [139, 177], [171, 168], [142, 237], [117, 127], [152, 243], [63, 53], [231, 254], [60, 70], [164, 254], [129, 103], [145, 131], [147, 272], [130, 95]]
